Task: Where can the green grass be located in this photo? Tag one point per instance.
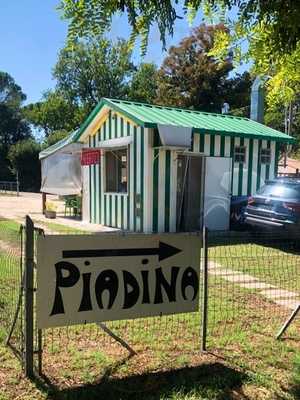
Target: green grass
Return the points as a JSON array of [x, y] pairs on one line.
[[55, 227]]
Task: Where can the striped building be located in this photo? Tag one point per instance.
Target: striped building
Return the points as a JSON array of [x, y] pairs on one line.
[[137, 184]]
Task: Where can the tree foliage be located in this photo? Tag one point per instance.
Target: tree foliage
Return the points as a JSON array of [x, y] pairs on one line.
[[93, 69], [24, 159], [190, 78], [53, 113], [92, 17], [143, 85], [271, 28]]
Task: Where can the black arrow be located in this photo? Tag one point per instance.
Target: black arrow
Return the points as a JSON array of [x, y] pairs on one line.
[[163, 251]]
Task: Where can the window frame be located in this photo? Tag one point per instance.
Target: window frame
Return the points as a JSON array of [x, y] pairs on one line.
[[239, 154], [105, 170], [264, 156]]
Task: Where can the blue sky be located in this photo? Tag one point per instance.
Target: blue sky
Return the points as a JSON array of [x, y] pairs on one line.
[[32, 33]]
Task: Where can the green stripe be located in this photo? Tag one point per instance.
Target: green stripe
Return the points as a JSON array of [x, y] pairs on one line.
[[116, 126], [167, 190], [258, 166], [128, 129], [95, 183], [241, 169], [249, 184], [155, 192], [109, 125], [116, 211], [90, 187], [212, 145], [122, 212], [222, 147], [110, 211], [268, 165], [104, 130], [122, 127], [202, 140], [142, 178], [105, 213], [232, 160], [134, 176]]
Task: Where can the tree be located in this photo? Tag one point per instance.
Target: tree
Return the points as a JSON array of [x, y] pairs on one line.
[[271, 28], [55, 137], [92, 17], [143, 86], [24, 159], [54, 112], [13, 126], [93, 69], [190, 78]]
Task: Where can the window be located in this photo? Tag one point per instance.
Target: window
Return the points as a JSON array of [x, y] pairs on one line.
[[116, 166], [240, 154], [265, 156]]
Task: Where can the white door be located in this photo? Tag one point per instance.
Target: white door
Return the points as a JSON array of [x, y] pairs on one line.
[[217, 190]]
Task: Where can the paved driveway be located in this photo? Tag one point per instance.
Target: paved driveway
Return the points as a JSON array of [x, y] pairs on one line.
[[17, 207]]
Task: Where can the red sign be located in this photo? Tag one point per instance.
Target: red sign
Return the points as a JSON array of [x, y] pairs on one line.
[[90, 157]]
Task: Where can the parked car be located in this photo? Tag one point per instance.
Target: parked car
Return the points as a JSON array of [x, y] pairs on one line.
[[237, 212], [275, 206]]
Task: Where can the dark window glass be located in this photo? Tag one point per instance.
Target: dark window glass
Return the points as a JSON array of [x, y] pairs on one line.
[[116, 166], [280, 190], [265, 156], [240, 154]]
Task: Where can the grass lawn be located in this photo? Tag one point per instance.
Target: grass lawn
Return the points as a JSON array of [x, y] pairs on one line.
[[243, 362], [59, 228]]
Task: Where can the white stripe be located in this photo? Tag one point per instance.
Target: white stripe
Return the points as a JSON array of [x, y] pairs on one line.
[[113, 210], [196, 145], [131, 189], [138, 174], [227, 147], [107, 210], [103, 183], [119, 212], [118, 126], [272, 165], [173, 191], [235, 186], [207, 145], [161, 190], [97, 195], [246, 169], [217, 148], [148, 181], [254, 166]]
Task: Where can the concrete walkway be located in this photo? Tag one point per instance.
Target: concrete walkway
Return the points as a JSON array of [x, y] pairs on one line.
[[281, 297], [17, 207]]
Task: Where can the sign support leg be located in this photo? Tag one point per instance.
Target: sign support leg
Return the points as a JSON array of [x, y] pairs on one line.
[[116, 338], [29, 253], [288, 322]]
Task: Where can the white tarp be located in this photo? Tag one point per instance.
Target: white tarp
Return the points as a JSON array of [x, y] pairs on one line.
[[61, 171], [115, 143], [175, 136]]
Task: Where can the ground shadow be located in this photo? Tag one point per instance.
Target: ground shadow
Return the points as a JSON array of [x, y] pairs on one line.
[[216, 378]]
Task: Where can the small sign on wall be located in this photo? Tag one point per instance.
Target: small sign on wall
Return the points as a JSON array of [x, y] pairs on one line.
[[94, 278], [90, 157]]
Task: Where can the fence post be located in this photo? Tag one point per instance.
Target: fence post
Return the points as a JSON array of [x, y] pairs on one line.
[[204, 289], [29, 280]]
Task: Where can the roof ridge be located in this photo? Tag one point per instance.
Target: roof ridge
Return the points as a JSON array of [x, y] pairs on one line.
[[137, 103]]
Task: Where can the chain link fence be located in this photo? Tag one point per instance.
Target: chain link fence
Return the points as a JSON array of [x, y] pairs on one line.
[[11, 284], [253, 285]]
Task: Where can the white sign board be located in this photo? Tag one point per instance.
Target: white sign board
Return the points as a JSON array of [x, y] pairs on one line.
[[94, 278]]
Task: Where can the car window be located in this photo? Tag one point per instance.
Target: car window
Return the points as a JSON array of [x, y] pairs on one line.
[[280, 190]]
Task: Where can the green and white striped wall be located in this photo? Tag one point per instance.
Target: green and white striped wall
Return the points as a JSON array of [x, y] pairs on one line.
[[150, 204]]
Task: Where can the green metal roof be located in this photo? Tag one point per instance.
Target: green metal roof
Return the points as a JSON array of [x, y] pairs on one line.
[[150, 116], [58, 145]]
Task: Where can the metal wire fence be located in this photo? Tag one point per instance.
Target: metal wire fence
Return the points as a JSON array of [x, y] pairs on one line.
[[9, 187], [11, 283], [254, 285]]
